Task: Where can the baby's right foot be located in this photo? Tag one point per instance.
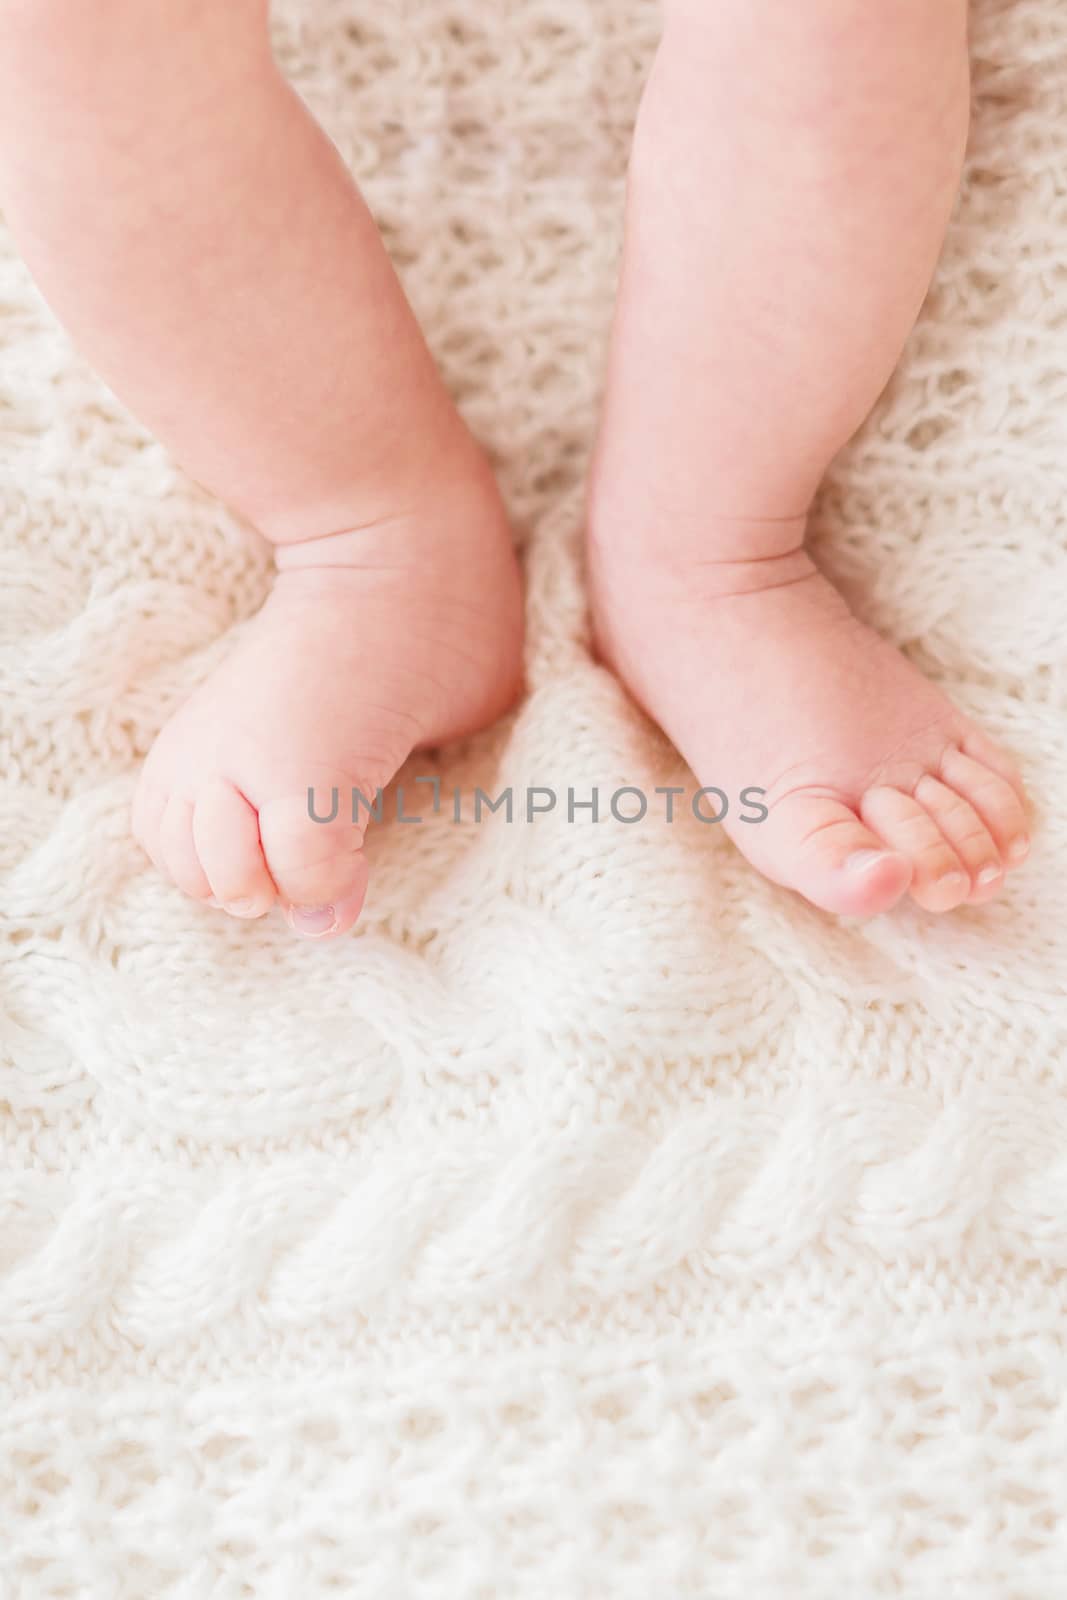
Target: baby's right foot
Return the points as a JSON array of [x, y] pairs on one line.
[[232, 286], [373, 643]]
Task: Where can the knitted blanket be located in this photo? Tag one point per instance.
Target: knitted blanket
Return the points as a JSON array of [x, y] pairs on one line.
[[598, 1220]]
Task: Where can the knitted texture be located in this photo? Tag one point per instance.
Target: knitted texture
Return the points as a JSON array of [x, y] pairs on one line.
[[598, 1220]]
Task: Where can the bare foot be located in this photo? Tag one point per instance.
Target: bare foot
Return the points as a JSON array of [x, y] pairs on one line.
[[778, 248], [372, 643], [761, 675]]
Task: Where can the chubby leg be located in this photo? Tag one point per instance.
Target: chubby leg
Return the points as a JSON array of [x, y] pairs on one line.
[[793, 171], [203, 242]]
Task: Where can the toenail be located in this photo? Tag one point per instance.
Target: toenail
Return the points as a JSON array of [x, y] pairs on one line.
[[989, 874], [1019, 848], [312, 921], [863, 860], [241, 908]]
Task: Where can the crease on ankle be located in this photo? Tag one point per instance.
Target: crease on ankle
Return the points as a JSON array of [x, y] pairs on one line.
[[714, 539], [736, 539], [352, 541], [466, 489], [751, 561], [717, 575], [732, 579]]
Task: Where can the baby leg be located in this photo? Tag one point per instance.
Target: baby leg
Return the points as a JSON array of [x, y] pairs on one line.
[[202, 240], [793, 171]]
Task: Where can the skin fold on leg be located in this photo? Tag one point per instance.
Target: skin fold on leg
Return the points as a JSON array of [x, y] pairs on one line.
[[203, 242], [793, 172]]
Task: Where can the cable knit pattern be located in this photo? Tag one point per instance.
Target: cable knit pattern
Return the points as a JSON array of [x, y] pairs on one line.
[[599, 1220]]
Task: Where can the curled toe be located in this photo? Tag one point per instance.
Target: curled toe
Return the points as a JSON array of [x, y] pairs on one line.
[[226, 832], [178, 849], [939, 881]]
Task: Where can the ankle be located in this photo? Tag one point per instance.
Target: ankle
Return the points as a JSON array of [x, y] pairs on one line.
[[445, 475], [635, 519]]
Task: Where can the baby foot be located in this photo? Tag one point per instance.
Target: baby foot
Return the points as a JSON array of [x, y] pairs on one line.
[[761, 675], [371, 644]]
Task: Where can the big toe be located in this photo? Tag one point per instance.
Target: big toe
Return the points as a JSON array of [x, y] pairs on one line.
[[818, 846], [318, 865]]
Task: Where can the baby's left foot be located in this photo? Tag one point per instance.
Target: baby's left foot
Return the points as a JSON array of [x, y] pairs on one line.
[[793, 171], [761, 675]]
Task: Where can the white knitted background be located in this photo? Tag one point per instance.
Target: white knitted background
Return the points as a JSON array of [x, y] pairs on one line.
[[598, 1221]]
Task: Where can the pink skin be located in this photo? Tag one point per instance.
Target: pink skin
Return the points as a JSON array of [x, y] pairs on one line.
[[793, 171], [256, 324]]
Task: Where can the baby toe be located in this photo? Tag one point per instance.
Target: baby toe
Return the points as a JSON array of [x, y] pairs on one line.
[[966, 833], [178, 850], [226, 836], [981, 748], [149, 804], [829, 856], [939, 880], [994, 797], [319, 867]]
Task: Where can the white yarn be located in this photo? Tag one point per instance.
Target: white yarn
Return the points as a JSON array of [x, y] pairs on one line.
[[601, 1220]]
